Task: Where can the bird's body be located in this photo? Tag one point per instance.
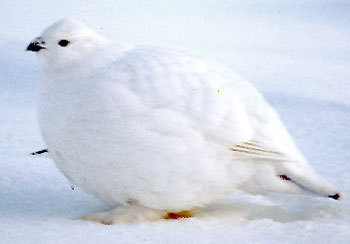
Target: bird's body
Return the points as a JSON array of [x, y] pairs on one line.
[[159, 128]]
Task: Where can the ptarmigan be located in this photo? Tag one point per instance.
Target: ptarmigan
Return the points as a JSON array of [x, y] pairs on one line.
[[157, 132]]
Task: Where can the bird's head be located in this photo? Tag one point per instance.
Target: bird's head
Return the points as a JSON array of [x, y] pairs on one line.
[[64, 44]]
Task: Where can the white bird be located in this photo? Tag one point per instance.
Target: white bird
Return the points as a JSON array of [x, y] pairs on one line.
[[156, 133]]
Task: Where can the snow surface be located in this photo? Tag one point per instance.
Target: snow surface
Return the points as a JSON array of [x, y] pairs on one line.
[[296, 53]]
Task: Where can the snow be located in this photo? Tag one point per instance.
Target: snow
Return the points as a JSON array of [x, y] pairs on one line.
[[297, 54]]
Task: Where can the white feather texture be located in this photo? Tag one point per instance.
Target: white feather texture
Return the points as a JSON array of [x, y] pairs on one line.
[[158, 127]]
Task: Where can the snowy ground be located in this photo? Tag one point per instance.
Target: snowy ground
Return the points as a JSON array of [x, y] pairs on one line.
[[297, 54]]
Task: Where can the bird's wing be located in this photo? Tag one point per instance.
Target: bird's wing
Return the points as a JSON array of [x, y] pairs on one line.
[[255, 149], [183, 96]]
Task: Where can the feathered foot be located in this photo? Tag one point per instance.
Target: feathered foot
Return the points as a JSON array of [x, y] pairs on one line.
[[134, 214]]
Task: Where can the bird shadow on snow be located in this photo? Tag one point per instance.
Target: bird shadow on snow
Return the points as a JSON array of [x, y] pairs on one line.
[[239, 206]]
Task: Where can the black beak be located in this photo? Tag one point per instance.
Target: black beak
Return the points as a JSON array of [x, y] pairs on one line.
[[335, 196], [35, 47]]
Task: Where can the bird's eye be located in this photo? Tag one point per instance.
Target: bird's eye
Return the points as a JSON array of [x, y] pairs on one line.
[[63, 43]]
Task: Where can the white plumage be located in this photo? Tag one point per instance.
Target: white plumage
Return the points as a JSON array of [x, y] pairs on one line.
[[156, 130]]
